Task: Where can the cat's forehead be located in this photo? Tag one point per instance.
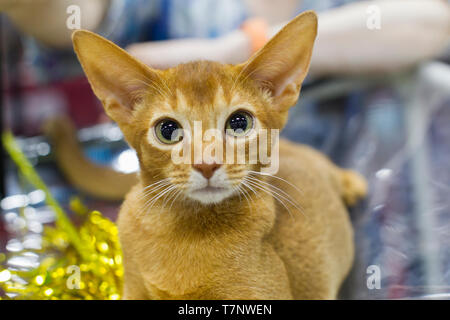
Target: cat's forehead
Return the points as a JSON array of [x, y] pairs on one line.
[[201, 82], [200, 91], [198, 88]]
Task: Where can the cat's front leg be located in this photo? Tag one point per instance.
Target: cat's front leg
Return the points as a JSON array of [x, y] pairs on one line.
[[264, 279]]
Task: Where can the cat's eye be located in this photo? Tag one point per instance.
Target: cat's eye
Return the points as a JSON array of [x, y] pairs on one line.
[[168, 131], [239, 124]]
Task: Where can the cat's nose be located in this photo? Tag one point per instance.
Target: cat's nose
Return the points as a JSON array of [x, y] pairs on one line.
[[207, 169]]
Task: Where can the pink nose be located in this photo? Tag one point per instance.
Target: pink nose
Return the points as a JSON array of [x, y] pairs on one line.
[[206, 169]]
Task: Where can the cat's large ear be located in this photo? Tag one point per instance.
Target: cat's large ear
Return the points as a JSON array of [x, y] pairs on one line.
[[116, 78], [282, 64]]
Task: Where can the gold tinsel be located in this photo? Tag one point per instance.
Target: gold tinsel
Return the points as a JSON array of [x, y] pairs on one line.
[[75, 263]]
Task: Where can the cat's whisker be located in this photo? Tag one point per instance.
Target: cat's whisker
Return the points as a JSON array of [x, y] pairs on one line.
[[251, 189], [156, 183], [275, 177], [165, 192], [164, 198], [245, 185], [149, 201], [156, 175], [288, 200], [244, 193], [157, 195], [155, 187], [237, 191], [285, 194], [169, 196], [179, 192], [148, 193], [276, 195], [270, 186], [152, 190], [143, 209], [277, 199], [256, 193]]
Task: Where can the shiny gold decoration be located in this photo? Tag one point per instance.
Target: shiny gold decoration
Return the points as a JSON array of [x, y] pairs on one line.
[[74, 263]]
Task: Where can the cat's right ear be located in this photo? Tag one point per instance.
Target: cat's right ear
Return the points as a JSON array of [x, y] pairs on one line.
[[116, 78], [282, 64]]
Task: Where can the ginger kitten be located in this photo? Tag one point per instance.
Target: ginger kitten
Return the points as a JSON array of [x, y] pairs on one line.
[[218, 230]]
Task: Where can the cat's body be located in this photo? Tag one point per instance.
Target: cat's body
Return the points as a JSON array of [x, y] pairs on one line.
[[213, 229], [237, 252]]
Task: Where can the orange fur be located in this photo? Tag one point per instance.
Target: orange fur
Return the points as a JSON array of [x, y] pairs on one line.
[[251, 247]]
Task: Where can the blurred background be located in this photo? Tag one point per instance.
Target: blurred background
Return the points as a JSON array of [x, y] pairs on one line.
[[377, 99]]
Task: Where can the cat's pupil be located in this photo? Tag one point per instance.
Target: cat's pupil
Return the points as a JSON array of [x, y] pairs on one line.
[[167, 129], [238, 121]]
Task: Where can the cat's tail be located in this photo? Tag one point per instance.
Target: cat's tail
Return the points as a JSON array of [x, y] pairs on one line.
[[353, 186], [95, 180]]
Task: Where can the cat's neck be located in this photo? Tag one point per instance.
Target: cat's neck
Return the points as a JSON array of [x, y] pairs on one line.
[[195, 238]]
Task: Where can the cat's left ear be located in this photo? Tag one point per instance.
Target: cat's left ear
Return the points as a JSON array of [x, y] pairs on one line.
[[282, 64]]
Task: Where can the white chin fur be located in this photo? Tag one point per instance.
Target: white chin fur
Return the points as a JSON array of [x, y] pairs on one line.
[[214, 191], [210, 196]]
